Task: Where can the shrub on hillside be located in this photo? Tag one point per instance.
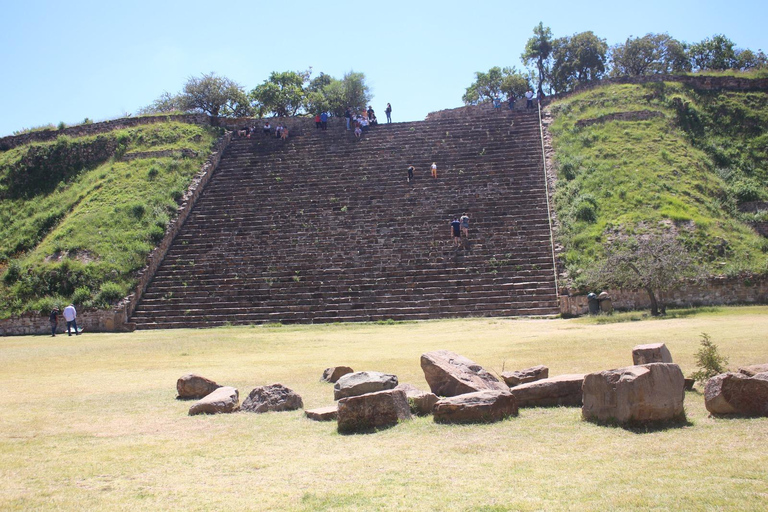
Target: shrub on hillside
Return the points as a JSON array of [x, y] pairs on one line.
[[585, 208], [110, 293], [82, 295]]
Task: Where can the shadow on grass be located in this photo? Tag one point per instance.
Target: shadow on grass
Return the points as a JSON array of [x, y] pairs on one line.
[[639, 316], [646, 427]]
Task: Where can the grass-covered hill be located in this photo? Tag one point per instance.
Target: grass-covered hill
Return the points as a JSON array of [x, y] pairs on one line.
[[691, 162], [78, 216]]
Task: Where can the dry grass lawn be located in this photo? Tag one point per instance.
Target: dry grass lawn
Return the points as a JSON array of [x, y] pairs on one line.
[[91, 423]]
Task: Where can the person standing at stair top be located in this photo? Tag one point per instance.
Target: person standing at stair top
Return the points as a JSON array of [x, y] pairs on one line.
[[388, 111], [434, 170], [529, 99], [456, 231], [317, 122], [267, 129], [348, 115], [324, 121], [464, 220]]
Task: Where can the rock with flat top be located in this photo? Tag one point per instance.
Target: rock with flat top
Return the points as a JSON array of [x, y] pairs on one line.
[[636, 394], [275, 397], [449, 374], [192, 386], [561, 390], [334, 373], [651, 353], [479, 407], [370, 411], [736, 393], [323, 413], [532, 374], [221, 401], [752, 370], [421, 402], [360, 383]]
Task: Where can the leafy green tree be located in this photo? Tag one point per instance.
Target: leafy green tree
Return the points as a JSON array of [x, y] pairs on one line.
[[715, 53], [656, 263], [215, 95], [282, 94], [165, 104], [648, 55], [497, 82], [357, 94], [537, 52], [747, 59], [578, 58]]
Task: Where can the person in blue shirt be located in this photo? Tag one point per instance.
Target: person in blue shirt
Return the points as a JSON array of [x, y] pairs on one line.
[[324, 120], [456, 231]]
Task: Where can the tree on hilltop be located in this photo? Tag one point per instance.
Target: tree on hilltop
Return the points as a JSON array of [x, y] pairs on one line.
[[211, 94], [576, 59], [497, 82], [656, 263], [282, 94], [648, 55], [215, 95], [537, 52]]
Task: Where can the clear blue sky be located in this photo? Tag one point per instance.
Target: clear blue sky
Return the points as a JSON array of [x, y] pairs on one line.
[[68, 60]]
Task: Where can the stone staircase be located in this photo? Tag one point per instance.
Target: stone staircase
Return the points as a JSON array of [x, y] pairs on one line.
[[325, 228]]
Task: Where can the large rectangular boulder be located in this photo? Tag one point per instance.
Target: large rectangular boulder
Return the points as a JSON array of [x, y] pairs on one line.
[[364, 413], [449, 374], [532, 374], [193, 386], [561, 390], [360, 383], [635, 394], [222, 400], [738, 394], [479, 407], [651, 353]]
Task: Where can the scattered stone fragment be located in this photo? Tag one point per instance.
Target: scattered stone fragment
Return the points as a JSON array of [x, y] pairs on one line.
[[651, 353], [323, 413], [220, 401], [275, 397], [479, 407], [449, 374], [524, 376], [635, 394], [359, 383], [421, 402], [333, 373], [192, 386], [752, 370], [560, 390], [373, 410], [736, 393]]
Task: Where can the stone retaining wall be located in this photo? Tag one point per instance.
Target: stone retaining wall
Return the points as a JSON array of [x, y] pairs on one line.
[[715, 292], [94, 321]]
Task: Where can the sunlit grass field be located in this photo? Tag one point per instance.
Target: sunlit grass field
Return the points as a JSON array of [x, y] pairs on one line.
[[92, 423]]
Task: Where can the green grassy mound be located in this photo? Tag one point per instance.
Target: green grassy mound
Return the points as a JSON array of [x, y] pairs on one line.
[[78, 216], [688, 168]]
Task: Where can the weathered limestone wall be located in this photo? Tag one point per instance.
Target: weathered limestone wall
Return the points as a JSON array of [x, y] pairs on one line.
[[715, 292]]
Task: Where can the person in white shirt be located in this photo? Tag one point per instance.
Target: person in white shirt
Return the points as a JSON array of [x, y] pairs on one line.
[[529, 98], [70, 315]]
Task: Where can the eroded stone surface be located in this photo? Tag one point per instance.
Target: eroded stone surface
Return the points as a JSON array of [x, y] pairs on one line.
[[450, 374], [479, 407], [323, 413], [359, 383], [334, 373], [220, 401], [372, 410], [560, 390], [754, 369], [736, 393], [192, 386], [274, 397], [421, 402], [532, 374], [651, 353], [635, 394]]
